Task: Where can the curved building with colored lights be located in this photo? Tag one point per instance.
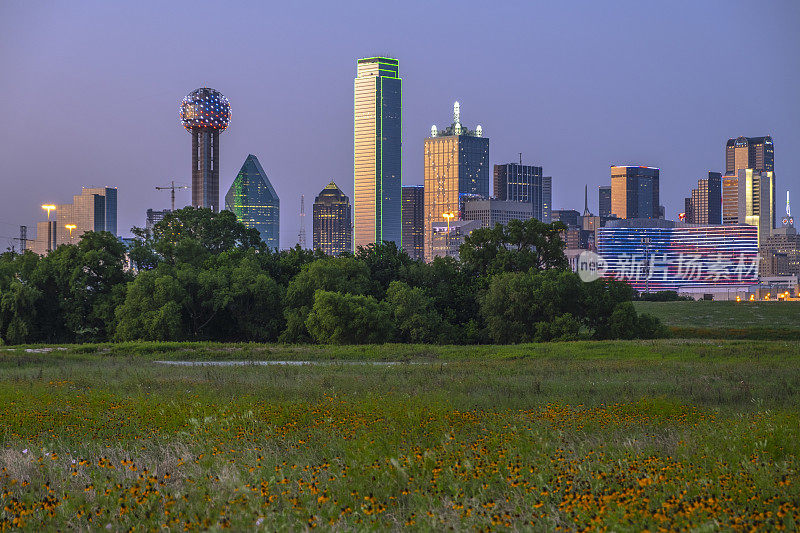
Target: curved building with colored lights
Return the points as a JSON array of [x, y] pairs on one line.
[[205, 113], [681, 258]]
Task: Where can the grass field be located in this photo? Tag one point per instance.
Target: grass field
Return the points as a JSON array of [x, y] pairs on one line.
[[621, 435], [754, 320]]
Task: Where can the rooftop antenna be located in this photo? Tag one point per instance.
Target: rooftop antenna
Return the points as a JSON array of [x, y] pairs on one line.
[[301, 237], [788, 207], [520, 159], [172, 188], [457, 117]]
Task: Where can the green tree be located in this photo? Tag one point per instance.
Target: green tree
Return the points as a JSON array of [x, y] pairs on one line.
[[415, 318], [338, 274], [337, 318], [516, 247], [385, 262]]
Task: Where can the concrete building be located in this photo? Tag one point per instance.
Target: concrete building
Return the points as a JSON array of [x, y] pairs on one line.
[[332, 221], [456, 164], [95, 209], [780, 253], [493, 211], [414, 221], [704, 206], [377, 151], [524, 183]]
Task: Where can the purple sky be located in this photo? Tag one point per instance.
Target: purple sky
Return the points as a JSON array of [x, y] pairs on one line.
[[89, 91]]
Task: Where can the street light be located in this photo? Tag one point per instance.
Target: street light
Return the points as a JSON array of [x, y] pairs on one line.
[[48, 208], [70, 227], [448, 216]]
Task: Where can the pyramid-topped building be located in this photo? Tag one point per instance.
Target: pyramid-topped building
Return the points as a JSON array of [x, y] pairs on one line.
[[254, 201]]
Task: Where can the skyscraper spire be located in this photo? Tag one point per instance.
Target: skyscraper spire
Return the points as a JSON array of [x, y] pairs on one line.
[[586, 212]]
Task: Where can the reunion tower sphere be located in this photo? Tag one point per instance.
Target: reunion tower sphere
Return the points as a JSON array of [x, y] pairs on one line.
[[205, 113], [205, 108]]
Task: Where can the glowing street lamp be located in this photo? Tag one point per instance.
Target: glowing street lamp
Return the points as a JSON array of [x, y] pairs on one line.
[[48, 208], [448, 216], [70, 227]]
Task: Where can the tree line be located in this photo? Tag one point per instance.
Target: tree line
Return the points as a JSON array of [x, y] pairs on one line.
[[204, 276]]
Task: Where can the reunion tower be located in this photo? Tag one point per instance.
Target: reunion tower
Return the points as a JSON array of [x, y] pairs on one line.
[[205, 113]]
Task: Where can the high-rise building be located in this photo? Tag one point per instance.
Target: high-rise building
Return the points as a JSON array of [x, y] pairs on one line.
[[757, 153], [547, 198], [705, 204], [254, 202], [604, 201], [757, 201], [524, 183], [154, 217], [414, 221], [568, 217], [780, 253], [456, 165], [95, 209], [377, 144], [446, 239], [730, 199], [332, 221], [205, 113], [635, 192]]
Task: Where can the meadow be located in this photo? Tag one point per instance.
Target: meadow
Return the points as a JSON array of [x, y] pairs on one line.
[[744, 320], [623, 435]]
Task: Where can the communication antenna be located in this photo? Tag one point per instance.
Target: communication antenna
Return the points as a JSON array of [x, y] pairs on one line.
[[301, 237], [172, 188], [457, 117], [788, 207], [434, 131]]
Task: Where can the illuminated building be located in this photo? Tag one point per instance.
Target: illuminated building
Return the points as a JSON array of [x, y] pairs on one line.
[[705, 204], [635, 192], [524, 183], [604, 201], [690, 258], [377, 146], [757, 153], [414, 221], [332, 221], [254, 202], [205, 113], [456, 166], [780, 253], [757, 201]]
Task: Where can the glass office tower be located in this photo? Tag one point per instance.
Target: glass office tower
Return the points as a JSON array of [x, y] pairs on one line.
[[332, 221], [377, 148], [254, 202], [456, 169], [414, 221]]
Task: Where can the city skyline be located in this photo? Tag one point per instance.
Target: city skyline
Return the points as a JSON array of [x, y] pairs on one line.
[[88, 152]]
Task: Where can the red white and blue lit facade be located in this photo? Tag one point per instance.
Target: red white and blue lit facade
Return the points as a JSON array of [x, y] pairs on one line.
[[205, 113], [680, 258]]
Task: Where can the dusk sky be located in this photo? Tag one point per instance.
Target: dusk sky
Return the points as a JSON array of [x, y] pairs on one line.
[[89, 92]]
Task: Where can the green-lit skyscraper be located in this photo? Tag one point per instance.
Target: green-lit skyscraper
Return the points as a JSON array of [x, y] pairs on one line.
[[254, 202], [376, 154]]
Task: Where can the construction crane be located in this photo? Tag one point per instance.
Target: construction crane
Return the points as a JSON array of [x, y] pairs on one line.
[[172, 188]]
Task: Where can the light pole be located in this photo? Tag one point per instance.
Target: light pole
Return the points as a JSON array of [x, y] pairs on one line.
[[448, 216], [70, 227], [50, 230]]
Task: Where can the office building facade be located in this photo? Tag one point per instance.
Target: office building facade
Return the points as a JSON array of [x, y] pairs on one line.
[[456, 165], [492, 211], [604, 201], [635, 192], [332, 221], [757, 153], [447, 238], [414, 221], [524, 183], [95, 209], [154, 216], [377, 151], [705, 204], [254, 201], [780, 253]]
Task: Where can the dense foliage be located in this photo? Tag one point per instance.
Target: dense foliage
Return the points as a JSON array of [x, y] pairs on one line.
[[204, 276]]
